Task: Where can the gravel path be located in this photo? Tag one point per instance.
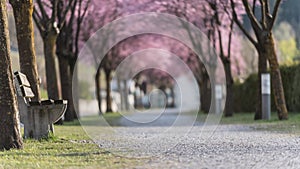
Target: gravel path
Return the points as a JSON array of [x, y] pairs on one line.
[[230, 146]]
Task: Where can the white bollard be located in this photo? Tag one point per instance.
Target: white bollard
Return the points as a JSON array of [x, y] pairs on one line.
[[218, 97], [266, 96]]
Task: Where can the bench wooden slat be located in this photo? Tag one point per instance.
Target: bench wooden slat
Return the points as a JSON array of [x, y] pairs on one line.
[[26, 92], [23, 81]]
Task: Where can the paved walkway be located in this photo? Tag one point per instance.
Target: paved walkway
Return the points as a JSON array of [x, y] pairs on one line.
[[230, 146]]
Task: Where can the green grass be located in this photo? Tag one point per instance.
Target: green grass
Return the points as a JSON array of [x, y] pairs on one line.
[[292, 125], [69, 148]]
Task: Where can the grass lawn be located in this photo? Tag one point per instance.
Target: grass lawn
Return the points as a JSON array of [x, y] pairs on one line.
[[69, 148], [291, 126]]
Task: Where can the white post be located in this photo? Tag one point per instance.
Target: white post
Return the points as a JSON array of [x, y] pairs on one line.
[[266, 96], [218, 97]]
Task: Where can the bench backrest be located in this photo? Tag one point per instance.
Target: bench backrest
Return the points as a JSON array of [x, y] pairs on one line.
[[23, 85]]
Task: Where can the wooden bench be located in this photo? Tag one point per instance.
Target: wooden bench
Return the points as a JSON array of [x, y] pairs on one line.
[[37, 117]]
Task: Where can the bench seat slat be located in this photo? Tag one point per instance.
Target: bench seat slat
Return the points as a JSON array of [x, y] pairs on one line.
[[23, 81], [26, 92]]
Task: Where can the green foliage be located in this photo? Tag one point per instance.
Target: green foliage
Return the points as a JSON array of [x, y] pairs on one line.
[[291, 83], [288, 50], [84, 90], [44, 94], [245, 94], [286, 37]]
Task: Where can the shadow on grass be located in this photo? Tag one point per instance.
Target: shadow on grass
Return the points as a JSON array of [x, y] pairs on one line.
[[83, 154]]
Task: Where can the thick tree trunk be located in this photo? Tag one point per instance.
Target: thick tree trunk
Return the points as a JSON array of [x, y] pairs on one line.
[[98, 89], [25, 35], [51, 75], [229, 87], [276, 80], [10, 136], [108, 91], [262, 68]]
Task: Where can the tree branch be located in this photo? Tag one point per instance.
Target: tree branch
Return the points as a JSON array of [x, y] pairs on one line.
[[263, 14], [239, 24], [38, 19], [255, 24], [42, 10], [267, 2], [275, 13], [253, 6], [230, 39], [69, 5], [54, 10]]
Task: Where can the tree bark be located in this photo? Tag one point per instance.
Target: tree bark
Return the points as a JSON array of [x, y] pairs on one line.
[[205, 93], [74, 87], [173, 97], [229, 87], [51, 75], [10, 136], [262, 68], [64, 54], [108, 91], [98, 89], [126, 95], [121, 92], [277, 86], [65, 80], [25, 35]]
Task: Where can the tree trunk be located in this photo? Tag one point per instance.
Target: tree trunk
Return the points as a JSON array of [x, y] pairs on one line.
[[10, 136], [65, 54], [205, 94], [108, 91], [229, 87], [262, 68], [121, 92], [74, 87], [126, 95], [25, 35], [65, 80], [49, 50], [173, 97], [98, 89], [277, 86]]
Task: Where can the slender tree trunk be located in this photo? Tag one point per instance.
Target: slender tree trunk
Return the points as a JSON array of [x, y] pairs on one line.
[[65, 54], [25, 35], [173, 97], [229, 85], [126, 95], [121, 92], [108, 91], [262, 68], [65, 80], [276, 80], [98, 89], [74, 87], [10, 136], [205, 94], [49, 50]]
